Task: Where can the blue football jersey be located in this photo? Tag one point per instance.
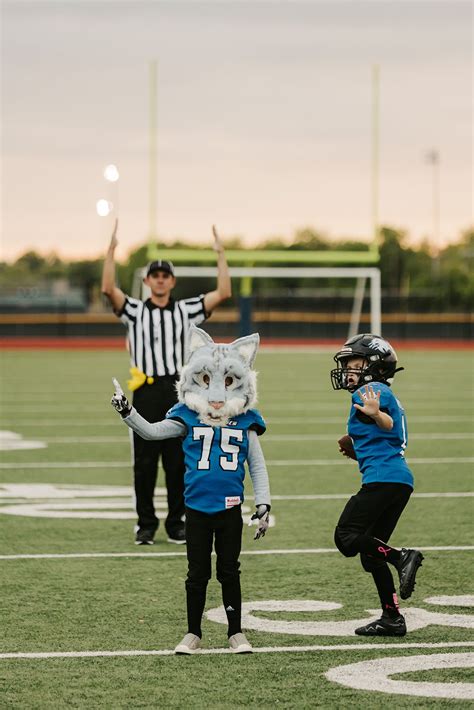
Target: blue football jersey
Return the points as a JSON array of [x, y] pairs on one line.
[[380, 453], [214, 458]]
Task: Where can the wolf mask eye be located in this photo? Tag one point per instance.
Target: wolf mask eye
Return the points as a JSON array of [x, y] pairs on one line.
[[228, 381], [202, 379]]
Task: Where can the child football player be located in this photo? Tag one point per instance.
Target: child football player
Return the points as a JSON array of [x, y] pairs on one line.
[[219, 429], [366, 365]]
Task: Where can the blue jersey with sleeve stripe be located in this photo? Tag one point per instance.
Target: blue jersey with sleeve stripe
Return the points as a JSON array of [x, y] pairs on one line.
[[214, 458], [380, 453]]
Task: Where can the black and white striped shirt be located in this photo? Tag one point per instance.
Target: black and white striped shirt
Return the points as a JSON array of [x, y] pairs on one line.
[[157, 337]]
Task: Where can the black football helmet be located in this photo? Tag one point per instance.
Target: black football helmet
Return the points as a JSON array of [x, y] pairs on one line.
[[379, 355]]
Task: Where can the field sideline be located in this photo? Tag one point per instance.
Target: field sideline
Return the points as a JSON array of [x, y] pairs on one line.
[[89, 620], [113, 343]]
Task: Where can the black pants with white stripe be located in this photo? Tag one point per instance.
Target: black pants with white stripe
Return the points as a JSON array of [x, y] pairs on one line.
[[152, 402], [224, 530]]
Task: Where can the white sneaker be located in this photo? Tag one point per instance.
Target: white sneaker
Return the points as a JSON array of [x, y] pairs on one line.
[[238, 644], [189, 645]]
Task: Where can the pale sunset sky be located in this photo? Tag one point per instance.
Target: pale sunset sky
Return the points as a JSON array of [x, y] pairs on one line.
[[264, 119]]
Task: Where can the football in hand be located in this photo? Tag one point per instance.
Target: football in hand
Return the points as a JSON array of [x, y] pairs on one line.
[[346, 447]]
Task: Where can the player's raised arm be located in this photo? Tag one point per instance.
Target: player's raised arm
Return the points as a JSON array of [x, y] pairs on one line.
[[224, 289], [109, 289]]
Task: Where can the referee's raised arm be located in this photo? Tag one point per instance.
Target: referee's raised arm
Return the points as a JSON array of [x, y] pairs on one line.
[[224, 288], [109, 289]]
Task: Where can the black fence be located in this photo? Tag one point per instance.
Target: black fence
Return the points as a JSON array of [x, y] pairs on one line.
[[282, 316]]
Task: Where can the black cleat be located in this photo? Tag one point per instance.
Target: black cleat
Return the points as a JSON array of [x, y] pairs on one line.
[[407, 567], [145, 537], [178, 537], [385, 626]]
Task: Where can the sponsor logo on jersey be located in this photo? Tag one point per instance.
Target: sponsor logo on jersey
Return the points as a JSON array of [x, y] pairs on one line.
[[230, 501]]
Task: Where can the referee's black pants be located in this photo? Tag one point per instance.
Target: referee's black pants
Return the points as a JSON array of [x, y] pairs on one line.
[[152, 402], [225, 530]]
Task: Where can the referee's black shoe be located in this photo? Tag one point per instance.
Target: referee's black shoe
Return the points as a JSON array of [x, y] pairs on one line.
[[407, 567], [145, 537], [385, 626], [178, 537]]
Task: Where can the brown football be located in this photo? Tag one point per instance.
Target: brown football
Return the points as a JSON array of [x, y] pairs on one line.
[[346, 447]]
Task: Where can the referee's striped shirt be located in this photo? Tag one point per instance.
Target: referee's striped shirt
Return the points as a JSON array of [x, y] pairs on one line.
[[157, 337]]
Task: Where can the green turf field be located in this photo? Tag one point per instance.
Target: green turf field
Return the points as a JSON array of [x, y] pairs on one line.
[[135, 602]]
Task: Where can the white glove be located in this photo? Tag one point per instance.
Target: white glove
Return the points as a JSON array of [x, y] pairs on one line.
[[119, 400], [262, 514]]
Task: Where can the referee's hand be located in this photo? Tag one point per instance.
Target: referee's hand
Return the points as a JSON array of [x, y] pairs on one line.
[[218, 245], [113, 238], [119, 400]]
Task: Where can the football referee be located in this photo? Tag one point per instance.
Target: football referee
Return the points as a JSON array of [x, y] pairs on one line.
[[157, 334]]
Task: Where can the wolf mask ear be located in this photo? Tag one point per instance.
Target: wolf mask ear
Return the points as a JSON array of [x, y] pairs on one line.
[[198, 338], [247, 347]]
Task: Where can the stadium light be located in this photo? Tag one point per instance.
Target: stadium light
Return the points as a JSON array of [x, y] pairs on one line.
[[104, 207], [111, 173]]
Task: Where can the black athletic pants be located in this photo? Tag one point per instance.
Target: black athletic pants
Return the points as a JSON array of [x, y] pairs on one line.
[[152, 402], [369, 517], [225, 530], [374, 511]]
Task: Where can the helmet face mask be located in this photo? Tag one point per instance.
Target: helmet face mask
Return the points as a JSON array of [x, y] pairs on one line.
[[380, 362], [350, 378]]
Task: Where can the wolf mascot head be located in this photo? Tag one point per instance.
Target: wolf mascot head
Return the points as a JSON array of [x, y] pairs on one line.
[[217, 381]]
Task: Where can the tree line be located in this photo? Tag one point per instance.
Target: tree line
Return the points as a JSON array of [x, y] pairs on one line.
[[446, 279]]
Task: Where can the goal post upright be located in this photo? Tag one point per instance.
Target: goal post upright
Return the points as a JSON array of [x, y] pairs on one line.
[[375, 172], [152, 154], [248, 264]]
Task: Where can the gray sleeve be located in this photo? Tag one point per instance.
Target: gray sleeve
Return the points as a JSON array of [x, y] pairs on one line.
[[258, 470], [166, 429]]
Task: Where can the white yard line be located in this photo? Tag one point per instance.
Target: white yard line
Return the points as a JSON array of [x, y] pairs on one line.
[[52, 422], [268, 437], [124, 439], [77, 421], [330, 437], [307, 405], [279, 462], [345, 496], [331, 462], [65, 465], [294, 551], [42, 655]]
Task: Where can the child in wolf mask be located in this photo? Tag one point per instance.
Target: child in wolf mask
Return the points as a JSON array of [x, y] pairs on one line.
[[366, 365], [220, 429]]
